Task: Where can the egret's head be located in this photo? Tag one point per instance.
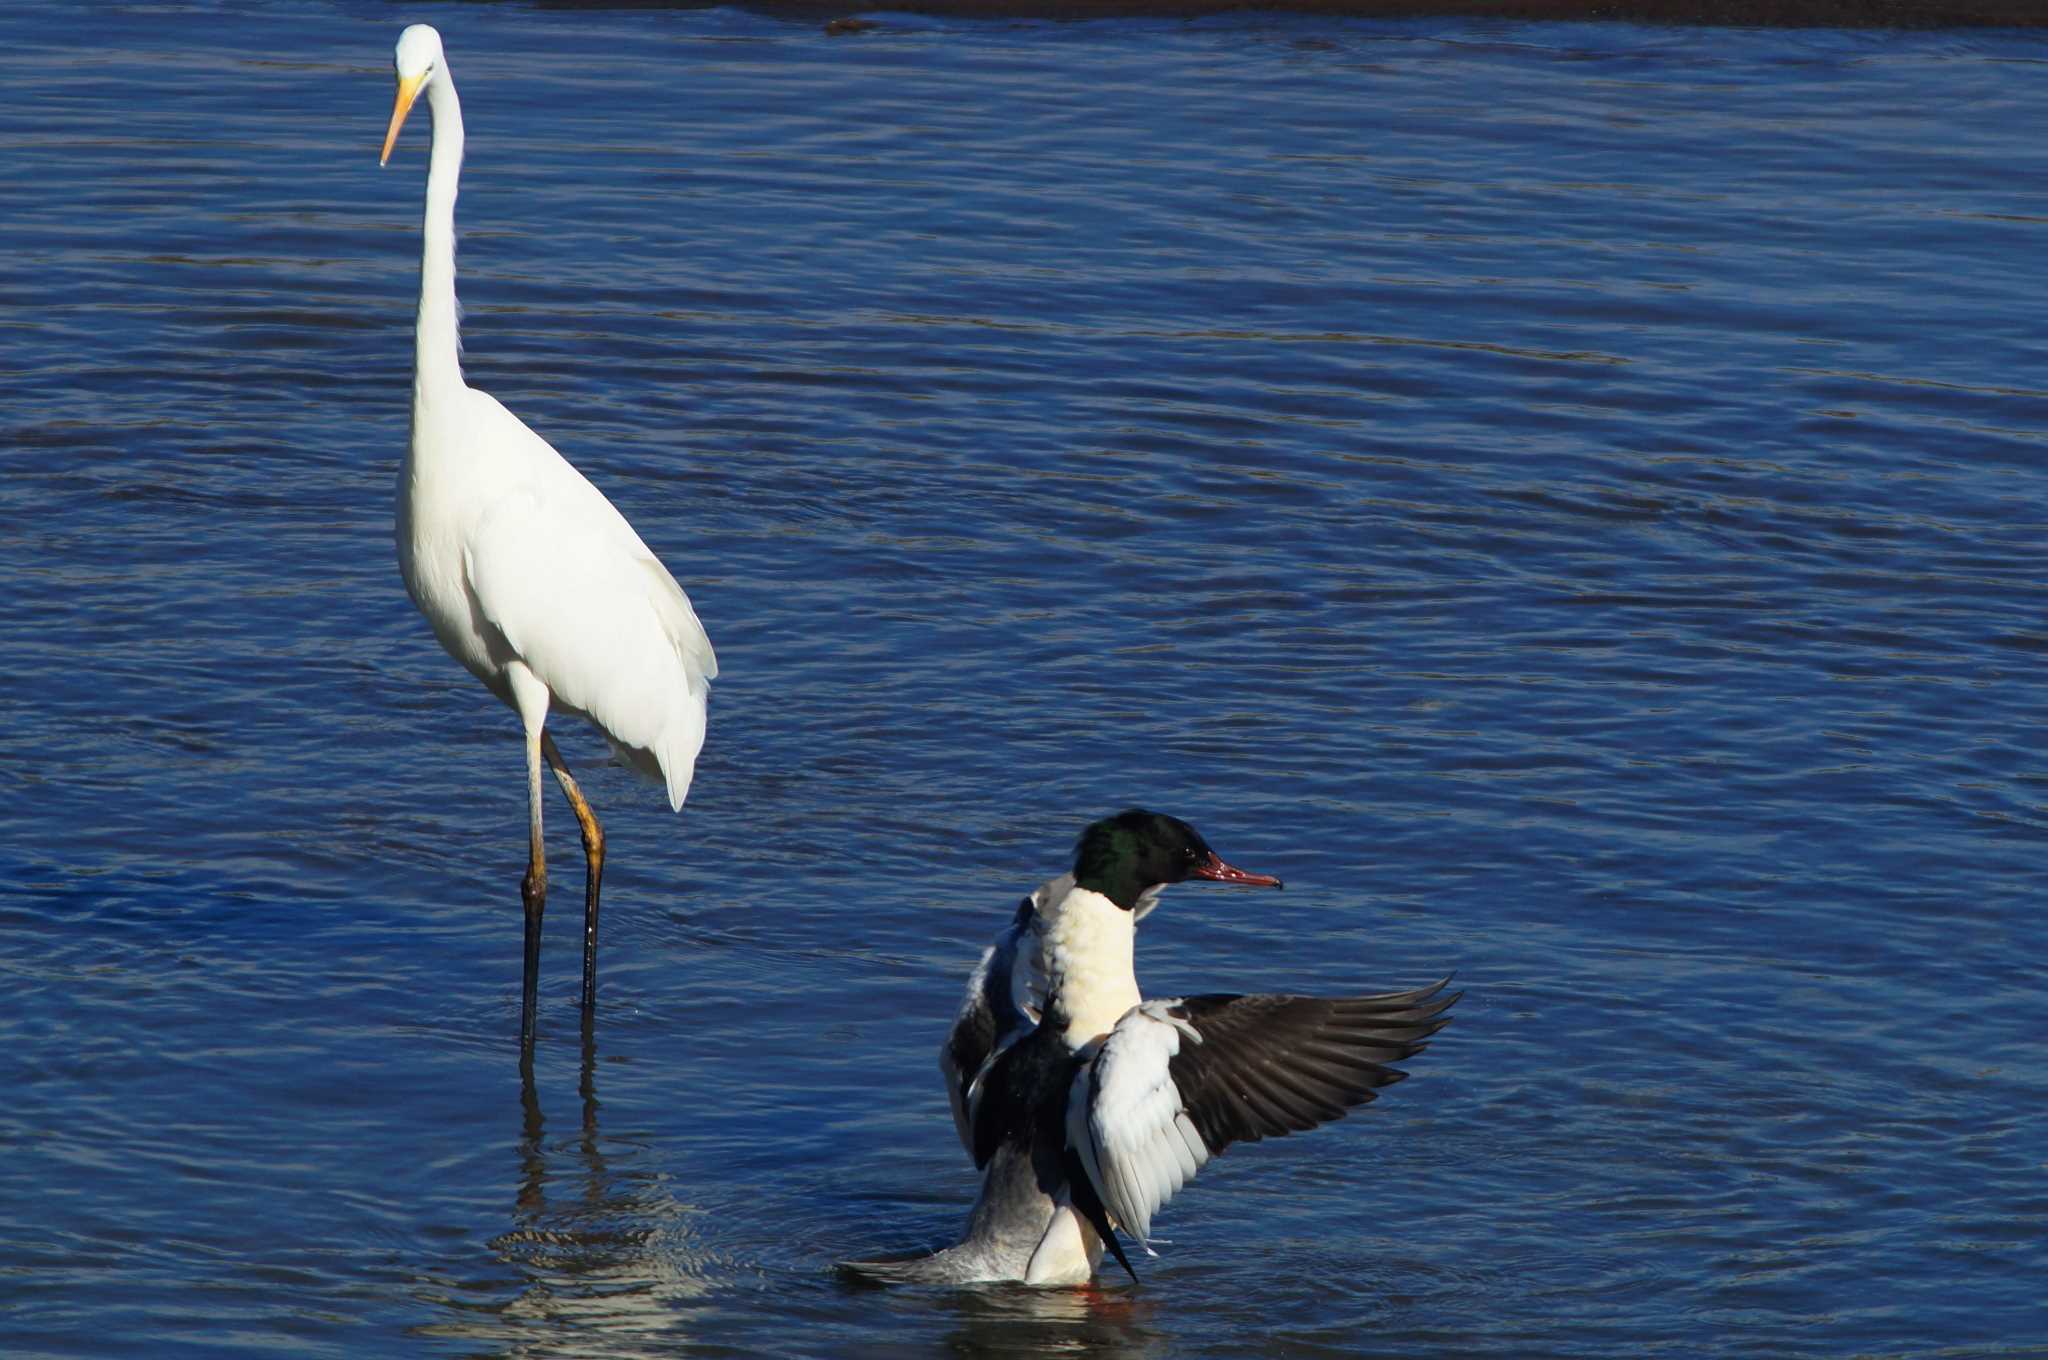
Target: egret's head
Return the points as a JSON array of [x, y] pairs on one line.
[[418, 60]]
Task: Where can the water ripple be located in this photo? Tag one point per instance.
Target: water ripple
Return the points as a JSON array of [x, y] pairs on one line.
[[1566, 497]]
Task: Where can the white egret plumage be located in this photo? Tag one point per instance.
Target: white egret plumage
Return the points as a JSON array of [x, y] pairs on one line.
[[529, 576]]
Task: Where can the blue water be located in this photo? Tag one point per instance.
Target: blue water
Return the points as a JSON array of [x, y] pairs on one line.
[[1570, 499]]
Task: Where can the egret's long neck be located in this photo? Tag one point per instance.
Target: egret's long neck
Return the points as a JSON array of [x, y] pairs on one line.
[[437, 363], [1089, 942]]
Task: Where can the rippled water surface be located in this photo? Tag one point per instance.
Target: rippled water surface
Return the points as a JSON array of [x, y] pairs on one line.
[[1570, 499]]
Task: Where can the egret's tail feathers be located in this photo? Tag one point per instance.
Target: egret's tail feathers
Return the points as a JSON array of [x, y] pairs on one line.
[[671, 759], [680, 742]]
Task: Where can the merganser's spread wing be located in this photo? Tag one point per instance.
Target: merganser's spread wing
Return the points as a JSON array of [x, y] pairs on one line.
[[1177, 1081], [991, 1016]]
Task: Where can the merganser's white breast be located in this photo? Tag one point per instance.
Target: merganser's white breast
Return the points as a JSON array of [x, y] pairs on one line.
[[1089, 943]]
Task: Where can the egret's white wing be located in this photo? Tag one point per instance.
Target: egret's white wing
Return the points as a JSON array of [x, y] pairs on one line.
[[555, 568], [1178, 1081]]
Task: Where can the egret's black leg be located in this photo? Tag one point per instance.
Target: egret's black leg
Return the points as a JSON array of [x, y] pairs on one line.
[[533, 893], [593, 864], [586, 1086]]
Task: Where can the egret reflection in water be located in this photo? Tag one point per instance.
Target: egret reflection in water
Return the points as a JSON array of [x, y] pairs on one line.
[[600, 1252]]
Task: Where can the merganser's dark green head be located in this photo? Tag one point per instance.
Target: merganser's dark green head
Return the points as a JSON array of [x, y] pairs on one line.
[[1123, 856]]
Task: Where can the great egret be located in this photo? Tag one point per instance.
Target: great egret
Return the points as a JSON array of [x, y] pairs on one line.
[[529, 576]]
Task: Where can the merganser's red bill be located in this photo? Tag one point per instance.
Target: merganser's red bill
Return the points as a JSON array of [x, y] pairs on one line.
[[1224, 873]]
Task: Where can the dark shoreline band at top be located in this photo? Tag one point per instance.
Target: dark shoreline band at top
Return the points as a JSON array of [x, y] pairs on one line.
[[1912, 14]]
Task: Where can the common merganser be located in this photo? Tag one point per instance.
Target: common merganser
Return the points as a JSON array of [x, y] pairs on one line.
[[1088, 1107]]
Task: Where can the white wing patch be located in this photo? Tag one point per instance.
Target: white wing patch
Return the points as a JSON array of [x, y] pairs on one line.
[[1127, 1121], [1147, 900]]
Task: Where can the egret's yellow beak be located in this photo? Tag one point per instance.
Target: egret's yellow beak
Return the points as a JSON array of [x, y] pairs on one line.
[[408, 90]]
